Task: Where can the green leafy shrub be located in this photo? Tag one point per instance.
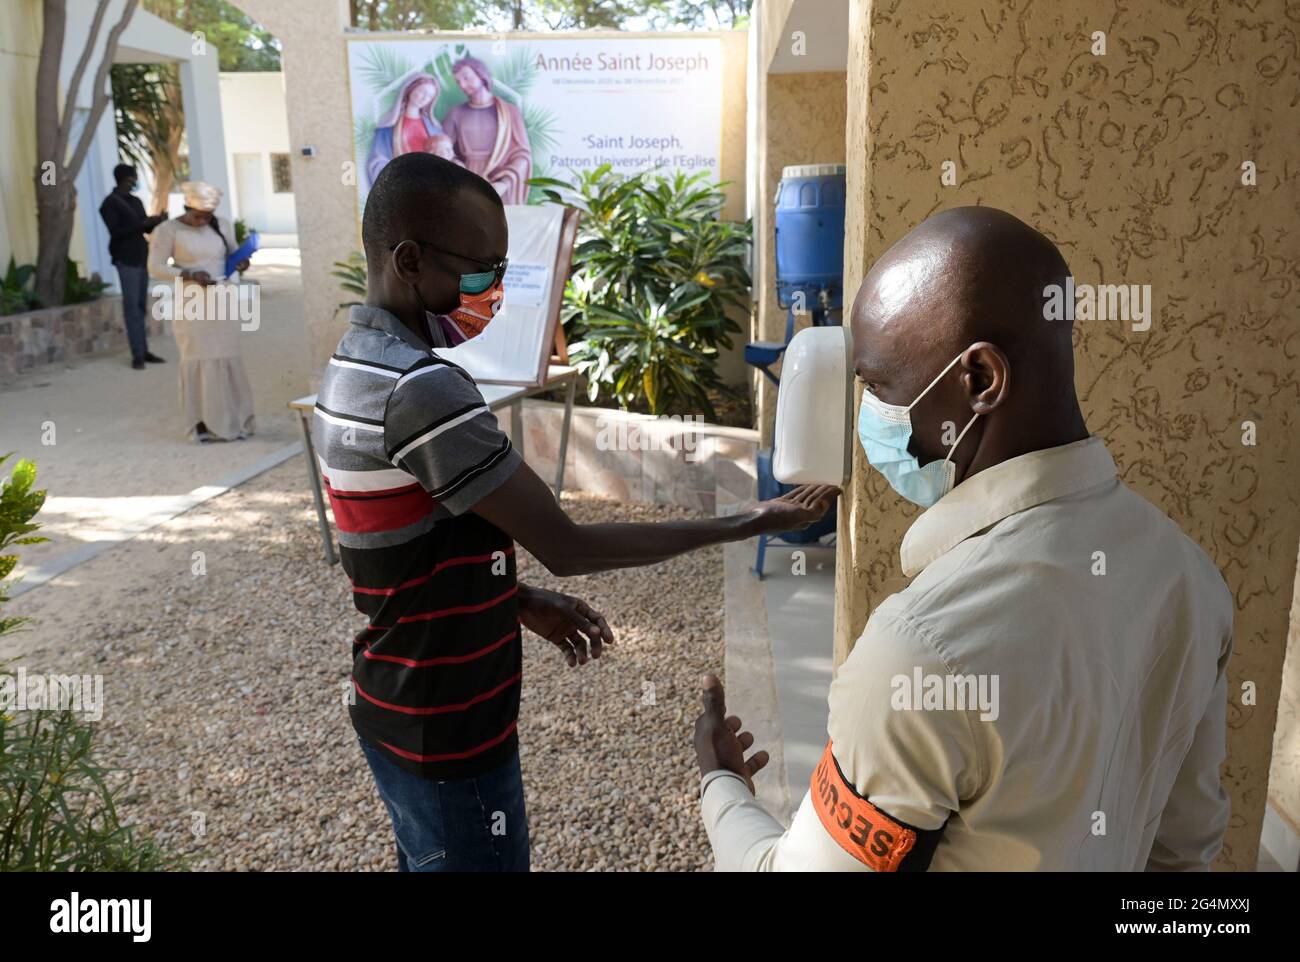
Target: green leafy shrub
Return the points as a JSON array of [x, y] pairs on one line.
[[16, 295], [18, 505], [57, 812], [78, 289], [351, 275], [655, 271]]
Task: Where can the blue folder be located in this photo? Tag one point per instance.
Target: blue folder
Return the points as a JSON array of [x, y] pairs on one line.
[[245, 251]]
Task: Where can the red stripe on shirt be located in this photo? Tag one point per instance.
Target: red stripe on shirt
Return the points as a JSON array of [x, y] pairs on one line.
[[454, 756], [458, 610], [443, 660], [440, 709], [388, 513], [450, 562]]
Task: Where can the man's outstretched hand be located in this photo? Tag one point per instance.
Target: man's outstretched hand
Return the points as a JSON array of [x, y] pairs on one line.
[[719, 742], [567, 622], [797, 509]]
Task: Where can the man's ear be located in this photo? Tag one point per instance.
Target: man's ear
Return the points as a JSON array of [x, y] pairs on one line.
[[406, 261], [986, 375]]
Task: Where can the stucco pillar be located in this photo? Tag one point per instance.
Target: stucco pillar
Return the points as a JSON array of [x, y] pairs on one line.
[[201, 102], [1132, 161], [314, 60]]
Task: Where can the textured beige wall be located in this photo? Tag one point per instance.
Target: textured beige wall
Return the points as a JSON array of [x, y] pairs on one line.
[[802, 119], [735, 53], [320, 114], [1132, 163]]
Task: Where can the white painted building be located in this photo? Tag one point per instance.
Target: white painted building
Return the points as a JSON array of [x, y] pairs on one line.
[[256, 128], [146, 39], [239, 154]]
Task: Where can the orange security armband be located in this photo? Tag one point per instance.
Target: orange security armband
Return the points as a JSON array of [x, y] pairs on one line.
[[861, 829]]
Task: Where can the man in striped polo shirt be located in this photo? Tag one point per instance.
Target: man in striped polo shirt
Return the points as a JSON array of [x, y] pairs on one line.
[[429, 498]]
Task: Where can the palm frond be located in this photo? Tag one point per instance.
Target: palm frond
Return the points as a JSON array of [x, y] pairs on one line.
[[381, 65], [516, 70], [542, 127]]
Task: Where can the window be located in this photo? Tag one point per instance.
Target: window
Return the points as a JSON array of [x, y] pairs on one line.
[[281, 174]]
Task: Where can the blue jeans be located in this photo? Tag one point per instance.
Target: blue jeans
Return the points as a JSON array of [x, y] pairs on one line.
[[134, 282], [462, 825]]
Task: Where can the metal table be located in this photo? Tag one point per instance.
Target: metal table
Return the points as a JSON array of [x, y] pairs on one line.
[[497, 396]]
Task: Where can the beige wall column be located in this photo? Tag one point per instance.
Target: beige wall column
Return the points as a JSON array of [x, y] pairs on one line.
[[320, 116], [1132, 162]]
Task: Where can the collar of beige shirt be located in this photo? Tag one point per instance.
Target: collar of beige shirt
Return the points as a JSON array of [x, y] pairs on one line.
[[1001, 491]]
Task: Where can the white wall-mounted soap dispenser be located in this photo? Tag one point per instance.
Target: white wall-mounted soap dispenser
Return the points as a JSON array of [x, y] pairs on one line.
[[814, 426]]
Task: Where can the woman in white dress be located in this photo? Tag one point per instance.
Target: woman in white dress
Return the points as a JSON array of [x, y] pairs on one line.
[[216, 398]]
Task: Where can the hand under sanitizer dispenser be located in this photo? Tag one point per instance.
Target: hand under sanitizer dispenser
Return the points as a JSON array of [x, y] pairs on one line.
[[814, 409]]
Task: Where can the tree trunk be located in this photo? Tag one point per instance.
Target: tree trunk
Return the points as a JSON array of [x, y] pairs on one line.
[[54, 206], [55, 210], [165, 158], [56, 170], [162, 187]]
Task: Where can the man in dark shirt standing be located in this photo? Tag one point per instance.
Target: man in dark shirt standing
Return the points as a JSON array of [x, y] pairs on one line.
[[127, 224]]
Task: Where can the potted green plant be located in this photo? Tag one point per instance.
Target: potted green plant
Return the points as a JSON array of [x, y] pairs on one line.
[[657, 275]]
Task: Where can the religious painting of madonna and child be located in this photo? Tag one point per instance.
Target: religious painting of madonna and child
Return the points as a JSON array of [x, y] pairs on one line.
[[513, 110]]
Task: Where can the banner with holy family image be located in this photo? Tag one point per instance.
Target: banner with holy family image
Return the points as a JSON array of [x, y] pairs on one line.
[[515, 109]]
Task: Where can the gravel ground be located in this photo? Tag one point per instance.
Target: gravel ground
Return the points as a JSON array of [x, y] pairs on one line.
[[225, 697]]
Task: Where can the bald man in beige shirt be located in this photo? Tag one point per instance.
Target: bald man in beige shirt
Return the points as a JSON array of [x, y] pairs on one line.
[[1050, 690]]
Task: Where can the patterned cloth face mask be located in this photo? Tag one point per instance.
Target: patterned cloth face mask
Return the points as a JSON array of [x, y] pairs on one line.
[[481, 295], [885, 431]]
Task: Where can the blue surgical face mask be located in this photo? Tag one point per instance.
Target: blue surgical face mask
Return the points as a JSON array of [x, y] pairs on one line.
[[885, 431]]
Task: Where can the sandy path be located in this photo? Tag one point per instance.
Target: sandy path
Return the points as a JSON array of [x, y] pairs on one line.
[[120, 456]]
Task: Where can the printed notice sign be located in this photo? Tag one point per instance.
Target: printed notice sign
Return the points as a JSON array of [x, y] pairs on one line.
[[511, 110], [527, 284]]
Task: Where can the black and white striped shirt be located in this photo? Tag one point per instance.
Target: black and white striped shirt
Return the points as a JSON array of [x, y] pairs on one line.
[[407, 446]]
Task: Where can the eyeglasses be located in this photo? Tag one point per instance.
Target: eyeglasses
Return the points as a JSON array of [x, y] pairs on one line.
[[470, 283]]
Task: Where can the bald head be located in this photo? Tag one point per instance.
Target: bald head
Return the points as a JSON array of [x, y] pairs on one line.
[[965, 275], [970, 282]]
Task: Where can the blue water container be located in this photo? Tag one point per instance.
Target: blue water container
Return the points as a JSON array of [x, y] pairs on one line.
[[810, 235], [809, 260]]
